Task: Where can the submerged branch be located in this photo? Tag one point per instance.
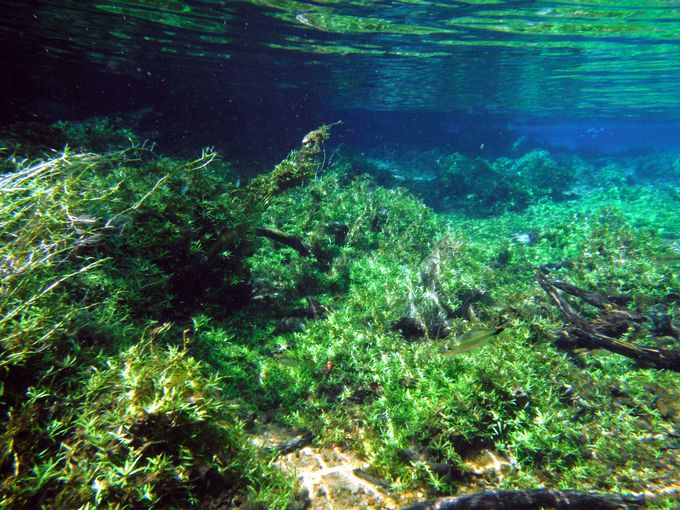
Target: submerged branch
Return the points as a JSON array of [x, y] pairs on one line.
[[283, 238], [586, 334], [301, 164], [592, 298], [534, 500]]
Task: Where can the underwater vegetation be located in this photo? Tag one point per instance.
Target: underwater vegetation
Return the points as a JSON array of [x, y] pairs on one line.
[[476, 185], [155, 313], [104, 404]]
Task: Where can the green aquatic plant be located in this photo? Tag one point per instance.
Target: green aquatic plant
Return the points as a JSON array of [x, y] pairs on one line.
[[416, 413], [484, 188], [473, 185], [28, 140], [341, 222], [541, 176], [99, 134], [144, 427], [300, 165], [118, 391], [218, 264], [102, 407]]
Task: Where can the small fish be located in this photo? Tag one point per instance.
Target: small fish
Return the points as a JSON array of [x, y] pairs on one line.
[[468, 341], [672, 257]]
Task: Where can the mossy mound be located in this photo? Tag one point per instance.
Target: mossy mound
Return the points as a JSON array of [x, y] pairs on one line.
[[105, 406], [153, 310]]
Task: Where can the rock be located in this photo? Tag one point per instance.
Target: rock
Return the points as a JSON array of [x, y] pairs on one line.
[[489, 464], [331, 477]]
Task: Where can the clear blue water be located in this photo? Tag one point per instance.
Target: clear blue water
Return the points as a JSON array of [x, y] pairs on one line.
[[252, 77], [323, 324]]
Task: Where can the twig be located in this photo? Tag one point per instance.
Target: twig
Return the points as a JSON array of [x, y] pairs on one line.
[[585, 334], [283, 238], [534, 500]]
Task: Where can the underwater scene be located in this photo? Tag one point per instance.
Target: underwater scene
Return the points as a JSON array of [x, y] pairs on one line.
[[296, 254]]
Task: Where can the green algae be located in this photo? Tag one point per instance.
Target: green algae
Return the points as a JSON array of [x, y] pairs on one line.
[[119, 390], [102, 407]]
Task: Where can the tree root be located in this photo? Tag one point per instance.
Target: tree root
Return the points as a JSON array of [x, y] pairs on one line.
[[597, 334], [283, 238], [534, 500]]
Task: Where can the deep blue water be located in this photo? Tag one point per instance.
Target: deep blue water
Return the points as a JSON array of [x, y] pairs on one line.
[[251, 78]]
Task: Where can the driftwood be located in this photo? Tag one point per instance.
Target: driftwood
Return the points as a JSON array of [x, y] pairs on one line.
[[592, 298], [283, 238], [534, 499], [596, 334]]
